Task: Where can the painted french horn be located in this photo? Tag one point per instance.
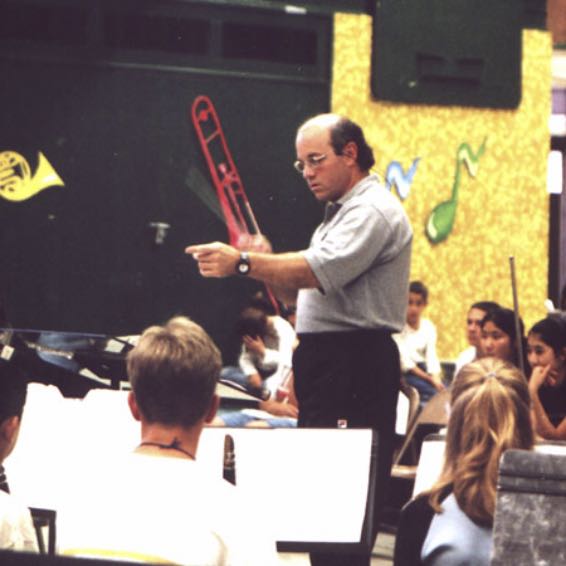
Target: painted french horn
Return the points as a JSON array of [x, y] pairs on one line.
[[16, 181]]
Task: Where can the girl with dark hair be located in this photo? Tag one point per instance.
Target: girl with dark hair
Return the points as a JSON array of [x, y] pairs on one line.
[[547, 356], [266, 351], [499, 337]]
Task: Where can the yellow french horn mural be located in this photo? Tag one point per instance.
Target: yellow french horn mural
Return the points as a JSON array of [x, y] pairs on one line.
[[16, 181]]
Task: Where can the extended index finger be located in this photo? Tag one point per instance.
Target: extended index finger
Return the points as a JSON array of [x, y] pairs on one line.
[[203, 248], [193, 249], [200, 250]]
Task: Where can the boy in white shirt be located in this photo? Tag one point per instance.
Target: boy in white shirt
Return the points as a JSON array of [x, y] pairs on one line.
[[417, 346], [16, 526], [157, 504]]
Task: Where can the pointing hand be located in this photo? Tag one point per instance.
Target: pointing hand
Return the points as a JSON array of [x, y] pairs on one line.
[[215, 259]]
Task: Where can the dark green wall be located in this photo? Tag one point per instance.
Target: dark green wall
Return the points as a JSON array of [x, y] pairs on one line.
[[115, 126]]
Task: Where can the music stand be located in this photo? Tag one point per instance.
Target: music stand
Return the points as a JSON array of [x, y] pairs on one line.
[[365, 544], [73, 361], [44, 518], [329, 501]]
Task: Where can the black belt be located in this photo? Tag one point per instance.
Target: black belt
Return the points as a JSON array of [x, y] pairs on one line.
[[318, 336]]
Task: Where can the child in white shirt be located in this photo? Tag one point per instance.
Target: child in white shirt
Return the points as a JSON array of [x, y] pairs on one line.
[[417, 346]]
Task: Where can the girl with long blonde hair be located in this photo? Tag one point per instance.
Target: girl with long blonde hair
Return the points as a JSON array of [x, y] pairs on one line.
[[451, 523]]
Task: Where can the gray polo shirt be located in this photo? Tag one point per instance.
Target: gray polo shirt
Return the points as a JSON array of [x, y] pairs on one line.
[[361, 257]]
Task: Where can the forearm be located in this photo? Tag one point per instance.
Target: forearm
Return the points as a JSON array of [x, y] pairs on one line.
[[279, 409], [542, 424], [254, 380], [283, 272], [434, 380], [286, 272], [422, 374]]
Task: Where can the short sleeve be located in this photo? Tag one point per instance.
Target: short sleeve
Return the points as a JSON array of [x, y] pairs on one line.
[[349, 248]]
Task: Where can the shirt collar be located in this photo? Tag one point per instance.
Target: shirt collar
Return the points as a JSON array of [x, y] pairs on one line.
[[360, 187], [330, 210]]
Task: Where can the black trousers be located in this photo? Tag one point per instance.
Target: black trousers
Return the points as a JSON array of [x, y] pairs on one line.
[[351, 377]]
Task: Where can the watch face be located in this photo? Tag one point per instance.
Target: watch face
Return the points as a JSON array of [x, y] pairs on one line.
[[243, 265], [243, 268]]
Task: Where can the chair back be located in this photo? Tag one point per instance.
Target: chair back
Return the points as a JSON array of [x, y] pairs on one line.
[[407, 408], [435, 412]]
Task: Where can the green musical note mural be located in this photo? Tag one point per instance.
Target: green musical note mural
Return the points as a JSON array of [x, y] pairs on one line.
[[441, 219]]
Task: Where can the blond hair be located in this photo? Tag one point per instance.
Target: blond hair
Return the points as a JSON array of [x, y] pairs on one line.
[[490, 413], [173, 371]]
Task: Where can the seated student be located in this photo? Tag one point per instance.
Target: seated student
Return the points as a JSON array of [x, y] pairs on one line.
[[279, 408], [499, 337], [156, 504], [16, 526], [473, 330], [417, 346], [452, 523], [266, 353], [279, 412], [547, 356]]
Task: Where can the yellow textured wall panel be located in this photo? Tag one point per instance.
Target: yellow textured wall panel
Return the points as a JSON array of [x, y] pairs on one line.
[[502, 211]]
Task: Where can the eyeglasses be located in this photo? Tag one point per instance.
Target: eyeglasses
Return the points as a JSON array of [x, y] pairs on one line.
[[312, 161]]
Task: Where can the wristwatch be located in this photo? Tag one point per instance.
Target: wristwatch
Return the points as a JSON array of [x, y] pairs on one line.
[[243, 266]]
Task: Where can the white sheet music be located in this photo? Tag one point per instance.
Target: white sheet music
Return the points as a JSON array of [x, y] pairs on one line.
[[316, 480], [432, 460]]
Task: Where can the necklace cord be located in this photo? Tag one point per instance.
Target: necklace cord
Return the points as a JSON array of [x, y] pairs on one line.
[[174, 445]]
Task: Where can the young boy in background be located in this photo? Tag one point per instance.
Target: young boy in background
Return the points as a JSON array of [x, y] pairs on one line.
[[417, 346]]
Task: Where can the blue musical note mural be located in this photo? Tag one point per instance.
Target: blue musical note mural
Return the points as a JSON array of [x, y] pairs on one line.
[[396, 177]]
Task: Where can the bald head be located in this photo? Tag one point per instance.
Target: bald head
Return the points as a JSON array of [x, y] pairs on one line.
[[342, 131], [322, 121]]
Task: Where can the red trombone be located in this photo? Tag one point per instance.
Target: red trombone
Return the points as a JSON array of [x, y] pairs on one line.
[[238, 213]]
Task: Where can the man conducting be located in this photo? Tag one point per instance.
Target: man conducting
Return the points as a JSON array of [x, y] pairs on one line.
[[350, 287]]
